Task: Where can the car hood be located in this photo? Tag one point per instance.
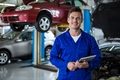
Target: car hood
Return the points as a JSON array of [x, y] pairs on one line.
[[4, 42]]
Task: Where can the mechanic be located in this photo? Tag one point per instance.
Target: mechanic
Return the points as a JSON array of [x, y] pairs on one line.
[[72, 45]]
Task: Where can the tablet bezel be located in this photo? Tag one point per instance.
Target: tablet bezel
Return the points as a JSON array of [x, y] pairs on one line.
[[88, 58]]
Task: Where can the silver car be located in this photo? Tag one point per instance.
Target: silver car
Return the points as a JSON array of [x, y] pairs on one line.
[[19, 44]]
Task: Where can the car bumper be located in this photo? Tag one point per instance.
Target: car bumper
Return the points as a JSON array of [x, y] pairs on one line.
[[18, 17]]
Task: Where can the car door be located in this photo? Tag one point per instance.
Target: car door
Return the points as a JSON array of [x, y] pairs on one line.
[[23, 45]]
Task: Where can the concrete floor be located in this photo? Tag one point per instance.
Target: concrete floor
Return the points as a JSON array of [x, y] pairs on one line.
[[23, 70]]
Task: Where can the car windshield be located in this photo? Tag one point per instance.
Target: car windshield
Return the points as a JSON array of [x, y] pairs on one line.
[[10, 35]]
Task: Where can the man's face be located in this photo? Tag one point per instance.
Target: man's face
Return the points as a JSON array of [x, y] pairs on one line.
[[74, 20]]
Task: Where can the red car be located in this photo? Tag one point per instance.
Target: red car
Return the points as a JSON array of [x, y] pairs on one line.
[[42, 14]]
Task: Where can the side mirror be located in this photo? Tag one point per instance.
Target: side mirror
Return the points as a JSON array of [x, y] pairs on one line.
[[18, 40]]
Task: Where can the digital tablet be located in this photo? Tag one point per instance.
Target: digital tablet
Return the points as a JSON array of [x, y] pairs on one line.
[[88, 58]]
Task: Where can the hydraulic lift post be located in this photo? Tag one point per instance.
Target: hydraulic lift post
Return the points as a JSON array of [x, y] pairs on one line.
[[38, 47]]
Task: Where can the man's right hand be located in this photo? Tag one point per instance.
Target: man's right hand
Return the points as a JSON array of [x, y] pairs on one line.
[[71, 66]]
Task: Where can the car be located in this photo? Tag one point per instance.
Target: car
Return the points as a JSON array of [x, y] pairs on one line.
[[106, 16], [110, 52], [43, 14], [19, 44], [8, 5]]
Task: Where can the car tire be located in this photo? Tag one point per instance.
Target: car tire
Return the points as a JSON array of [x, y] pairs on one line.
[[43, 23], [47, 52], [4, 57], [16, 27]]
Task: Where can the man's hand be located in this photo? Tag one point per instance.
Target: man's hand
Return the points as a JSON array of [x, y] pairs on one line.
[[71, 66], [74, 65], [83, 64]]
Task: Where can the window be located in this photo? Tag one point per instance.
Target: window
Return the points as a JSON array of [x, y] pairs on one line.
[[26, 36]]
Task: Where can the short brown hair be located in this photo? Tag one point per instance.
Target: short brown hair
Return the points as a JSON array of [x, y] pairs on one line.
[[75, 9]]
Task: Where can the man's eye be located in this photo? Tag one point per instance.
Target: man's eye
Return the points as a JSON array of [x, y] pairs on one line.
[[72, 17], [78, 18]]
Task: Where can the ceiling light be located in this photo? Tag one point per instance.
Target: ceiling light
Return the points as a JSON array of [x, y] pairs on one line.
[[6, 4]]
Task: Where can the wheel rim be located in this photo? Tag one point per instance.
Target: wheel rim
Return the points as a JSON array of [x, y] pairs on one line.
[[3, 58], [44, 23]]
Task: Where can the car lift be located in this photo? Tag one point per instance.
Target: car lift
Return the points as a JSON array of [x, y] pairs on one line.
[[38, 52], [87, 22], [38, 47]]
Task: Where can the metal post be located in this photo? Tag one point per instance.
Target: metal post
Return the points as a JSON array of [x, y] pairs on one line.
[[87, 24], [38, 47]]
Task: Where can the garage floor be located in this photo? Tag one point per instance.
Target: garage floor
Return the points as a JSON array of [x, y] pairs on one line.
[[23, 70]]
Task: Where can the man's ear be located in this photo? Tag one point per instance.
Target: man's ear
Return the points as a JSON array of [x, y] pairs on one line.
[[68, 19]]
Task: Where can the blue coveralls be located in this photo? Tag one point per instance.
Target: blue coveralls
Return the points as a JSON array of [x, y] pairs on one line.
[[65, 50]]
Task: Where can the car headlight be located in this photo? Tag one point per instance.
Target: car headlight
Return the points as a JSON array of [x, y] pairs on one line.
[[23, 7]]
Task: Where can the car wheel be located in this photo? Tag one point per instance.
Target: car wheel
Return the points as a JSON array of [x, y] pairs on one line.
[[47, 52], [43, 24], [16, 27], [4, 57]]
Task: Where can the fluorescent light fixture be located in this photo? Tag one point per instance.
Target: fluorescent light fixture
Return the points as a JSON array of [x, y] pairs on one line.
[[6, 4]]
